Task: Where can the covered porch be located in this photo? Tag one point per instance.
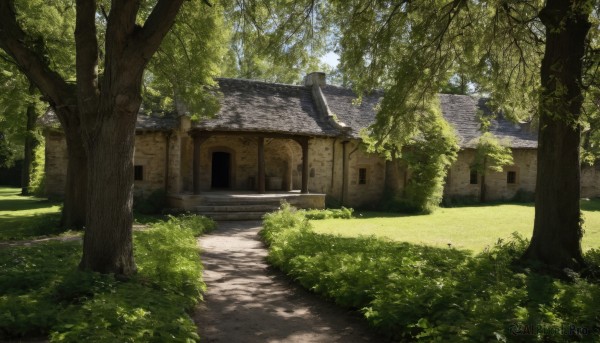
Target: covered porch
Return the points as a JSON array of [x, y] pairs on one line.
[[243, 161]]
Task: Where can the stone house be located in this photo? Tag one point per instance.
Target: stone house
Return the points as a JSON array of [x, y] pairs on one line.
[[299, 140]]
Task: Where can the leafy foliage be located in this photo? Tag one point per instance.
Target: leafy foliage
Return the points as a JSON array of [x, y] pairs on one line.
[[154, 203], [37, 185], [419, 293], [427, 144], [490, 155], [40, 293], [278, 41], [342, 213]]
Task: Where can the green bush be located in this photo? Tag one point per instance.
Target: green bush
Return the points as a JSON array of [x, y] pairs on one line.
[[419, 293], [152, 204], [37, 183], [523, 196], [342, 213], [41, 292]]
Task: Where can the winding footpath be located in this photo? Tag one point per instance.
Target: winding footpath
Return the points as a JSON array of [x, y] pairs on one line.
[[247, 302]]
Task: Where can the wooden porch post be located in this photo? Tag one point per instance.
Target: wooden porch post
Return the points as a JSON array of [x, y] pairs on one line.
[[196, 162], [304, 143], [261, 165]]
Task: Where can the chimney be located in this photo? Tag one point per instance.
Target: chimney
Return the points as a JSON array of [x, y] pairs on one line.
[[315, 78]]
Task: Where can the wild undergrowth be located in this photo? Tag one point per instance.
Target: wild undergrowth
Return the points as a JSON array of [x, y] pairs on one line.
[[43, 295], [419, 293]]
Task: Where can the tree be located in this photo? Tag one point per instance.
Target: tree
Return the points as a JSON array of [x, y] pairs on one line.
[[19, 109], [412, 48], [277, 42], [490, 155], [98, 113]]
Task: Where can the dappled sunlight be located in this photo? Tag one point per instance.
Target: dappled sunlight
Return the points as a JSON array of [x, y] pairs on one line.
[[413, 292], [249, 302], [468, 227]]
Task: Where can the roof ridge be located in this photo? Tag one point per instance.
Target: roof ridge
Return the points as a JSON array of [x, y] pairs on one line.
[[259, 82]]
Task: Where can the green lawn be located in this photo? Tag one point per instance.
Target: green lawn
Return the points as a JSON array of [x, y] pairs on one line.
[[42, 294], [27, 217], [473, 228], [24, 217]]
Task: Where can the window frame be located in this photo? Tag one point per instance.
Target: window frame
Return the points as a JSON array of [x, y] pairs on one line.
[[514, 179], [473, 177], [138, 170], [363, 179]]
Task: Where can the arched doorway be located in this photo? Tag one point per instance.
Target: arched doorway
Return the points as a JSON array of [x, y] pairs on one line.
[[221, 170]]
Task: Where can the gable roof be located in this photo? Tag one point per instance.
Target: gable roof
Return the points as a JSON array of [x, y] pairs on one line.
[[340, 102], [145, 122], [254, 106], [461, 112]]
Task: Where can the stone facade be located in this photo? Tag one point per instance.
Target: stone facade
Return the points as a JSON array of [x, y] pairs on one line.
[[56, 163], [283, 163], [315, 122], [498, 187]]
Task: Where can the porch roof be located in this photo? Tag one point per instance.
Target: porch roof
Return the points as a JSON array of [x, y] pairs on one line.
[[254, 106]]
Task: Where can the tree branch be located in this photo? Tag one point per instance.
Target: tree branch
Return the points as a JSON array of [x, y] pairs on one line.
[[147, 40], [86, 44], [13, 41]]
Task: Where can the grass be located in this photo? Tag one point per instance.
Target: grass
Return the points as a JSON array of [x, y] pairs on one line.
[[421, 293], [28, 217], [43, 294], [25, 217], [472, 227]]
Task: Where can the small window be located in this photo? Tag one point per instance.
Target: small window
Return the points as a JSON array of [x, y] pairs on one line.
[[511, 177], [362, 176], [473, 177], [138, 173]]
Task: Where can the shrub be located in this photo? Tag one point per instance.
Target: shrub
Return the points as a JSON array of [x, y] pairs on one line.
[[523, 196], [153, 204], [419, 293], [342, 213], [41, 292], [37, 183]]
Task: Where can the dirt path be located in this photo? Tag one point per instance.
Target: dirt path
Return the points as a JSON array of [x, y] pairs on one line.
[[248, 302]]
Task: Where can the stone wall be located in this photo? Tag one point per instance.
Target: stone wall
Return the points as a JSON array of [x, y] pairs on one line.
[[590, 181], [458, 180], [150, 153], [56, 163], [368, 193], [283, 163]]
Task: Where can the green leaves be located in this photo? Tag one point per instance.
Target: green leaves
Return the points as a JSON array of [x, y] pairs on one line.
[[491, 155], [418, 293], [42, 294]]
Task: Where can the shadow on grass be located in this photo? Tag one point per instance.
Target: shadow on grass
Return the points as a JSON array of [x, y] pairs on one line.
[[590, 204], [25, 217], [415, 293], [37, 225]]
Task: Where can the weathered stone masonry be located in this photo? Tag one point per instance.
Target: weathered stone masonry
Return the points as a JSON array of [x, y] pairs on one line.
[[274, 137]]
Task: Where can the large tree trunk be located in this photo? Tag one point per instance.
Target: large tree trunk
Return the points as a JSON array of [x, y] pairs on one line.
[[108, 246], [74, 207], [556, 240], [30, 145]]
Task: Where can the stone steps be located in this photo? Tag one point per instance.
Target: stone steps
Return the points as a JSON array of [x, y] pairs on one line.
[[226, 216], [236, 208], [246, 209]]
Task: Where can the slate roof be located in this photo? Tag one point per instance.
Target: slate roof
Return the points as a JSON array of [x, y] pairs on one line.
[[340, 103], [254, 106], [145, 122], [461, 112]]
